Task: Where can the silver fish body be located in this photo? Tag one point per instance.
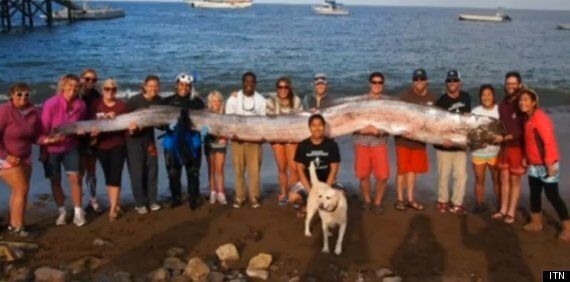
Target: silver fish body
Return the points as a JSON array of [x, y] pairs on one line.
[[418, 122]]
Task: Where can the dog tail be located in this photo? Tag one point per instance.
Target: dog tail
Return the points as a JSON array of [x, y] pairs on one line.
[[313, 173]]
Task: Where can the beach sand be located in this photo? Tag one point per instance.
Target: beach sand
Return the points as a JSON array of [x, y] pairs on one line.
[[416, 245]]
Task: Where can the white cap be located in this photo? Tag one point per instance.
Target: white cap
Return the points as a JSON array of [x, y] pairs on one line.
[[184, 78]]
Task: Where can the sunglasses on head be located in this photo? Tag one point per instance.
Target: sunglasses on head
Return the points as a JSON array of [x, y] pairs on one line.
[[110, 89], [25, 94], [452, 80], [89, 79], [283, 87], [377, 82], [419, 79]]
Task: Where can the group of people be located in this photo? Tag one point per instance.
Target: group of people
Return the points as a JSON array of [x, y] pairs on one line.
[[529, 145]]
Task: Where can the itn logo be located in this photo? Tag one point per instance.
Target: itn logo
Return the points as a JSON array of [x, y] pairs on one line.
[[555, 275]]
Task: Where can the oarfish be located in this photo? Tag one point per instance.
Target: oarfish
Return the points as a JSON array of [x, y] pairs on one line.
[[423, 123]]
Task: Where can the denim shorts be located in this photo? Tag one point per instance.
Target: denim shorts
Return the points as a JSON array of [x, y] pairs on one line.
[[540, 171], [69, 160]]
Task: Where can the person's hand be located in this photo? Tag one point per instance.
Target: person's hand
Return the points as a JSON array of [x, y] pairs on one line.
[[498, 139], [54, 139], [524, 163], [110, 115], [204, 132], [13, 160], [369, 130], [223, 140], [80, 132], [551, 170], [133, 127], [313, 110], [172, 125], [94, 131], [234, 94], [447, 143]]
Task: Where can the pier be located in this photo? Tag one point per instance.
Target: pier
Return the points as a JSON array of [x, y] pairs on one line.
[[22, 13]]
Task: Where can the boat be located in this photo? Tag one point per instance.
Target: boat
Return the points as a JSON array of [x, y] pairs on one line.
[[221, 4], [564, 26], [498, 17], [87, 13], [331, 8]]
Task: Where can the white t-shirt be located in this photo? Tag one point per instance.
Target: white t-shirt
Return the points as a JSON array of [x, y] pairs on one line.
[[246, 105], [491, 150]]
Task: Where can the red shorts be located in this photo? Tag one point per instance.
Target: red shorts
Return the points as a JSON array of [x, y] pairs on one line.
[[371, 159], [412, 160], [510, 158]]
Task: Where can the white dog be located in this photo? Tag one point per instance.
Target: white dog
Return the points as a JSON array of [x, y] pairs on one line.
[[332, 206]]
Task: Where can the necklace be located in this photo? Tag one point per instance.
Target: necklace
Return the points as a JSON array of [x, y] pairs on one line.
[[243, 104]]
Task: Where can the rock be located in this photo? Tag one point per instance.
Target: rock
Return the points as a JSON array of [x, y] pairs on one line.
[[258, 273], [180, 278], [84, 263], [122, 276], [227, 252], [360, 278], [20, 245], [383, 272], [196, 269], [20, 274], [174, 264], [174, 252], [262, 262], [45, 273], [102, 243], [392, 279], [215, 276], [274, 268], [295, 279], [159, 275], [7, 254]]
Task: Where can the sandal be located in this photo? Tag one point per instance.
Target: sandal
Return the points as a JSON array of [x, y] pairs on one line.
[[498, 216], [509, 219], [399, 205], [415, 205]]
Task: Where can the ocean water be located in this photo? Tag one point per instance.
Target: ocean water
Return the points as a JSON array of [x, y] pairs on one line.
[[276, 40]]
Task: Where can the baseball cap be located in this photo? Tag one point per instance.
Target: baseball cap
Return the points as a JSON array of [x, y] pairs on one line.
[[453, 74], [184, 78], [320, 78], [419, 73]]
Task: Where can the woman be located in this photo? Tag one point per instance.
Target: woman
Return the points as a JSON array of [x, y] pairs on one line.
[[285, 102], [142, 156], [89, 94], [64, 107], [485, 158], [110, 147], [20, 126], [321, 150], [542, 157], [215, 150]]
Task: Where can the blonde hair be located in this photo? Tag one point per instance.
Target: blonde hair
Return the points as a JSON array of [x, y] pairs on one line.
[[109, 81], [213, 96]]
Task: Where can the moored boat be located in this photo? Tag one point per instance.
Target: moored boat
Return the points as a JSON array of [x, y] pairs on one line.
[[564, 26], [331, 8], [87, 13], [498, 17]]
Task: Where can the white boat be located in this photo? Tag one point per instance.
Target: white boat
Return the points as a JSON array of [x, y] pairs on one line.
[[221, 4], [564, 26], [331, 8], [499, 17], [87, 13]]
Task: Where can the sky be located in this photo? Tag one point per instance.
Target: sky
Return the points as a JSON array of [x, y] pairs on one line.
[[507, 4]]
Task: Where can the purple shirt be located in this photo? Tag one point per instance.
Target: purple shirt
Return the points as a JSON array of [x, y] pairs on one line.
[[512, 119], [19, 128], [57, 111]]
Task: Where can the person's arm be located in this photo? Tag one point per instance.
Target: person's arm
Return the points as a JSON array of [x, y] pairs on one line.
[[270, 108], [546, 131], [332, 174], [231, 107], [467, 103], [302, 176], [262, 106], [3, 119]]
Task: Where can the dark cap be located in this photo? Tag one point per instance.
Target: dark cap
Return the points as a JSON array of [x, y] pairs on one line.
[[453, 74], [419, 73]]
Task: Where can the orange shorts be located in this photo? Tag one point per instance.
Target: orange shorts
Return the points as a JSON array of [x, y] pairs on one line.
[[412, 160], [371, 159], [510, 158]]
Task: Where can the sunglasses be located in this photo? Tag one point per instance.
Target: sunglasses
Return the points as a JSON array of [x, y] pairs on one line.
[[25, 94], [89, 79], [320, 78], [377, 82], [419, 79], [452, 80], [283, 87], [110, 89]]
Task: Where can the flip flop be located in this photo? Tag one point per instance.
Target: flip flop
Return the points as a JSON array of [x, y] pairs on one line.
[[399, 205], [498, 216], [415, 205]]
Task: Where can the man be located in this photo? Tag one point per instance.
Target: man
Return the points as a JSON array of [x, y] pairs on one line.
[[371, 152], [452, 159], [89, 94], [511, 164], [320, 98], [412, 155], [187, 99], [246, 155]]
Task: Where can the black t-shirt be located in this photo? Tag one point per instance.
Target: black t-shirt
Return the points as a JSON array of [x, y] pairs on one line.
[[139, 102], [459, 105], [322, 155]]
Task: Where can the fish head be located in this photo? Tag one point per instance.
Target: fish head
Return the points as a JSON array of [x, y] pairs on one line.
[[485, 133]]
